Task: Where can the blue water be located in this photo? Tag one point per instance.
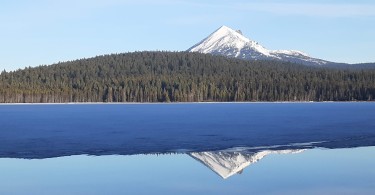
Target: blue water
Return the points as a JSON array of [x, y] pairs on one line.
[[38, 131], [316, 171], [147, 148]]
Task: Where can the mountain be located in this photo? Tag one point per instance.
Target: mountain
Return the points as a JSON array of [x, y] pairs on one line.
[[227, 164], [231, 43]]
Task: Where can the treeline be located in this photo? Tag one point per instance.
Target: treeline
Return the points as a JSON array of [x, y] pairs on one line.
[[182, 77]]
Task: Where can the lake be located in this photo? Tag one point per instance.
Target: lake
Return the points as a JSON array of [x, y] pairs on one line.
[[188, 148]]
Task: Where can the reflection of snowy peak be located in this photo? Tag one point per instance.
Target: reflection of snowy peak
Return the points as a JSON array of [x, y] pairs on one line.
[[226, 164], [228, 42]]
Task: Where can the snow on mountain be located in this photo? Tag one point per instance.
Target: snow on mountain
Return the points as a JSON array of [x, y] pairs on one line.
[[290, 52], [226, 163], [228, 42]]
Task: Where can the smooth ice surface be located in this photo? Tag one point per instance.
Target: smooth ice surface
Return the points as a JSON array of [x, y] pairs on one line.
[[41, 131]]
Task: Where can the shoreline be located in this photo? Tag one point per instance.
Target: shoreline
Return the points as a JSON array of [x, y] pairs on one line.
[[166, 103]]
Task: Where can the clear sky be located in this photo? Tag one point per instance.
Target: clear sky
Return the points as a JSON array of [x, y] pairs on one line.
[[36, 32]]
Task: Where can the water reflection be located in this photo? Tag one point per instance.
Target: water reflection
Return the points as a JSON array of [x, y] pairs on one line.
[[226, 163], [280, 171]]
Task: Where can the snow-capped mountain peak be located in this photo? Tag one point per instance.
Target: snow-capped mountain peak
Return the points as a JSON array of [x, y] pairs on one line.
[[232, 43], [229, 42]]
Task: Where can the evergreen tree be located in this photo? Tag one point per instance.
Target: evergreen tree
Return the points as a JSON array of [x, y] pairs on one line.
[[183, 77]]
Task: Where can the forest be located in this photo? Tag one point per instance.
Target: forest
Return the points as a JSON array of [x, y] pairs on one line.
[[183, 77]]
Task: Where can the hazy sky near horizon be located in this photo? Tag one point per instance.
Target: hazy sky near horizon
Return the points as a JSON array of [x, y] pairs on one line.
[[37, 32]]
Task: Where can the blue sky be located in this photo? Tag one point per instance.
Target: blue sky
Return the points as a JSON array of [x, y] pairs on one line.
[[36, 32]]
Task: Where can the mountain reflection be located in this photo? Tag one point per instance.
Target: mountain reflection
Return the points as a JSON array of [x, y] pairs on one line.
[[228, 163]]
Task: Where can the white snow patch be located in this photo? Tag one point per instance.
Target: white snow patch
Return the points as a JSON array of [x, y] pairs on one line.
[[290, 52]]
